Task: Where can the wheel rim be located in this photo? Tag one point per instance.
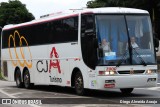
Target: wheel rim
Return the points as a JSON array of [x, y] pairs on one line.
[[79, 84], [26, 79], [18, 79]]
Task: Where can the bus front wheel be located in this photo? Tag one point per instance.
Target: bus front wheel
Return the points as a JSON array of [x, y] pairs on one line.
[[126, 90], [79, 85]]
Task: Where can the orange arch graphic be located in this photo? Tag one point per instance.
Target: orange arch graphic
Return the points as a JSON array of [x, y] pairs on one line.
[[22, 39]]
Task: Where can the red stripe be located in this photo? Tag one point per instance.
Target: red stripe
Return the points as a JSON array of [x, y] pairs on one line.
[[87, 12]]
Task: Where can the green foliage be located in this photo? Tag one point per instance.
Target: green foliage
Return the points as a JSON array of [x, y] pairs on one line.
[[14, 12], [142, 4], [1, 75], [95, 4]]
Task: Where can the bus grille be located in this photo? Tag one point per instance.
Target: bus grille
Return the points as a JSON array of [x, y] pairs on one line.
[[132, 72]]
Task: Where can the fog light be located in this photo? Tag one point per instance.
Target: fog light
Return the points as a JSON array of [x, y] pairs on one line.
[[151, 80], [109, 81]]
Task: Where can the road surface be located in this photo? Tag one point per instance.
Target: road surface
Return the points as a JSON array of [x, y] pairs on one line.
[[61, 96]]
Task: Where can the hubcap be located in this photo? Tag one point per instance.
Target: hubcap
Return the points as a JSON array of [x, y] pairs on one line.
[[79, 83], [17, 79], [26, 79]]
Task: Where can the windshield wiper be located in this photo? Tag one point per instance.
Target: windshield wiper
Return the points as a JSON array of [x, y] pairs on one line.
[[142, 60], [123, 59]]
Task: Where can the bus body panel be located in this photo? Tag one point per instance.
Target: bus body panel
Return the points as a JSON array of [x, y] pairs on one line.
[[132, 81]]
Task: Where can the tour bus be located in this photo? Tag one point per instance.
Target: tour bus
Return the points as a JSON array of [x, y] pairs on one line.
[[100, 49]]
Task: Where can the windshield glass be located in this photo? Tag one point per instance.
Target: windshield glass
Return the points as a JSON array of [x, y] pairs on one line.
[[114, 37], [140, 34]]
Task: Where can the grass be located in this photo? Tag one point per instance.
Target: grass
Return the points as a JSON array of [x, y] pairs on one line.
[[1, 77]]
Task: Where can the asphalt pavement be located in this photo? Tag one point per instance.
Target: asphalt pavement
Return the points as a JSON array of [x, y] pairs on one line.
[[66, 97], [159, 77]]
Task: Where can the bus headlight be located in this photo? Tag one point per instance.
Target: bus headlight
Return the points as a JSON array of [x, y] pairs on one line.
[[107, 72], [112, 72], [149, 71]]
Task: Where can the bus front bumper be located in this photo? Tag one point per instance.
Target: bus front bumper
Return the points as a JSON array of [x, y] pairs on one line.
[[127, 81]]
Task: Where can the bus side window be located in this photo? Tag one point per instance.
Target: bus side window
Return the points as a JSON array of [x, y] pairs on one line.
[[70, 28]]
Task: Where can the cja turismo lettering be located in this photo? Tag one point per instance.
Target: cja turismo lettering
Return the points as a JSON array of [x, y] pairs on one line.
[[54, 79]]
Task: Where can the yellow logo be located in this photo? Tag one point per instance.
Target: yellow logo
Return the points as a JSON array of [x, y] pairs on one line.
[[19, 55]]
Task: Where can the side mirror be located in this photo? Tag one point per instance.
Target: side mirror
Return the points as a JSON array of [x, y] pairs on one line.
[[156, 42]]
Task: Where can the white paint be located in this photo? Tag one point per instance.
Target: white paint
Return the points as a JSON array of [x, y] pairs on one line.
[[16, 93]]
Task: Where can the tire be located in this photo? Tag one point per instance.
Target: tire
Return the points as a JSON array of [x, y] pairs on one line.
[[26, 80], [79, 84], [126, 91], [18, 79]]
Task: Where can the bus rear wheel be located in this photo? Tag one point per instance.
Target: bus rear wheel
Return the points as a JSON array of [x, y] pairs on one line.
[[79, 85], [26, 80], [18, 79], [126, 90]]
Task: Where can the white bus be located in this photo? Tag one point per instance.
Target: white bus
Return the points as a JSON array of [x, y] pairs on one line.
[[101, 48]]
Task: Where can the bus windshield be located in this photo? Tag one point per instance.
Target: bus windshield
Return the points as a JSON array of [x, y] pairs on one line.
[[124, 40]]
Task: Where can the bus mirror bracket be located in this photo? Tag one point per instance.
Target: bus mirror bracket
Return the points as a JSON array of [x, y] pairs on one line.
[[156, 42]]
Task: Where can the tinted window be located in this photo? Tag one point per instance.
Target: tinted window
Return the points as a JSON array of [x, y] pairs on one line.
[[70, 27], [56, 31]]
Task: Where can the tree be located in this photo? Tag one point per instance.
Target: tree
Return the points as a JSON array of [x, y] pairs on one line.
[[14, 12], [107, 3]]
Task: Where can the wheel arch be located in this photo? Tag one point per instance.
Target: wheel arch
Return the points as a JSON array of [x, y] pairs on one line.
[[17, 68]]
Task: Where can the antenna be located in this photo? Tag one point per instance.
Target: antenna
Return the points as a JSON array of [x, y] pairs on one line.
[[74, 10], [52, 14]]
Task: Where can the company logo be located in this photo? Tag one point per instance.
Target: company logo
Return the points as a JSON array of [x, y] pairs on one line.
[[109, 69], [6, 101], [55, 79], [18, 53], [54, 63]]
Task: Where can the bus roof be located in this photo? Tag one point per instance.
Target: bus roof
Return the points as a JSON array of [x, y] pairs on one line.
[[75, 12], [116, 10]]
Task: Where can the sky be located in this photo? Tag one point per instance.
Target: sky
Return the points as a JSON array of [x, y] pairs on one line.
[[43, 7]]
